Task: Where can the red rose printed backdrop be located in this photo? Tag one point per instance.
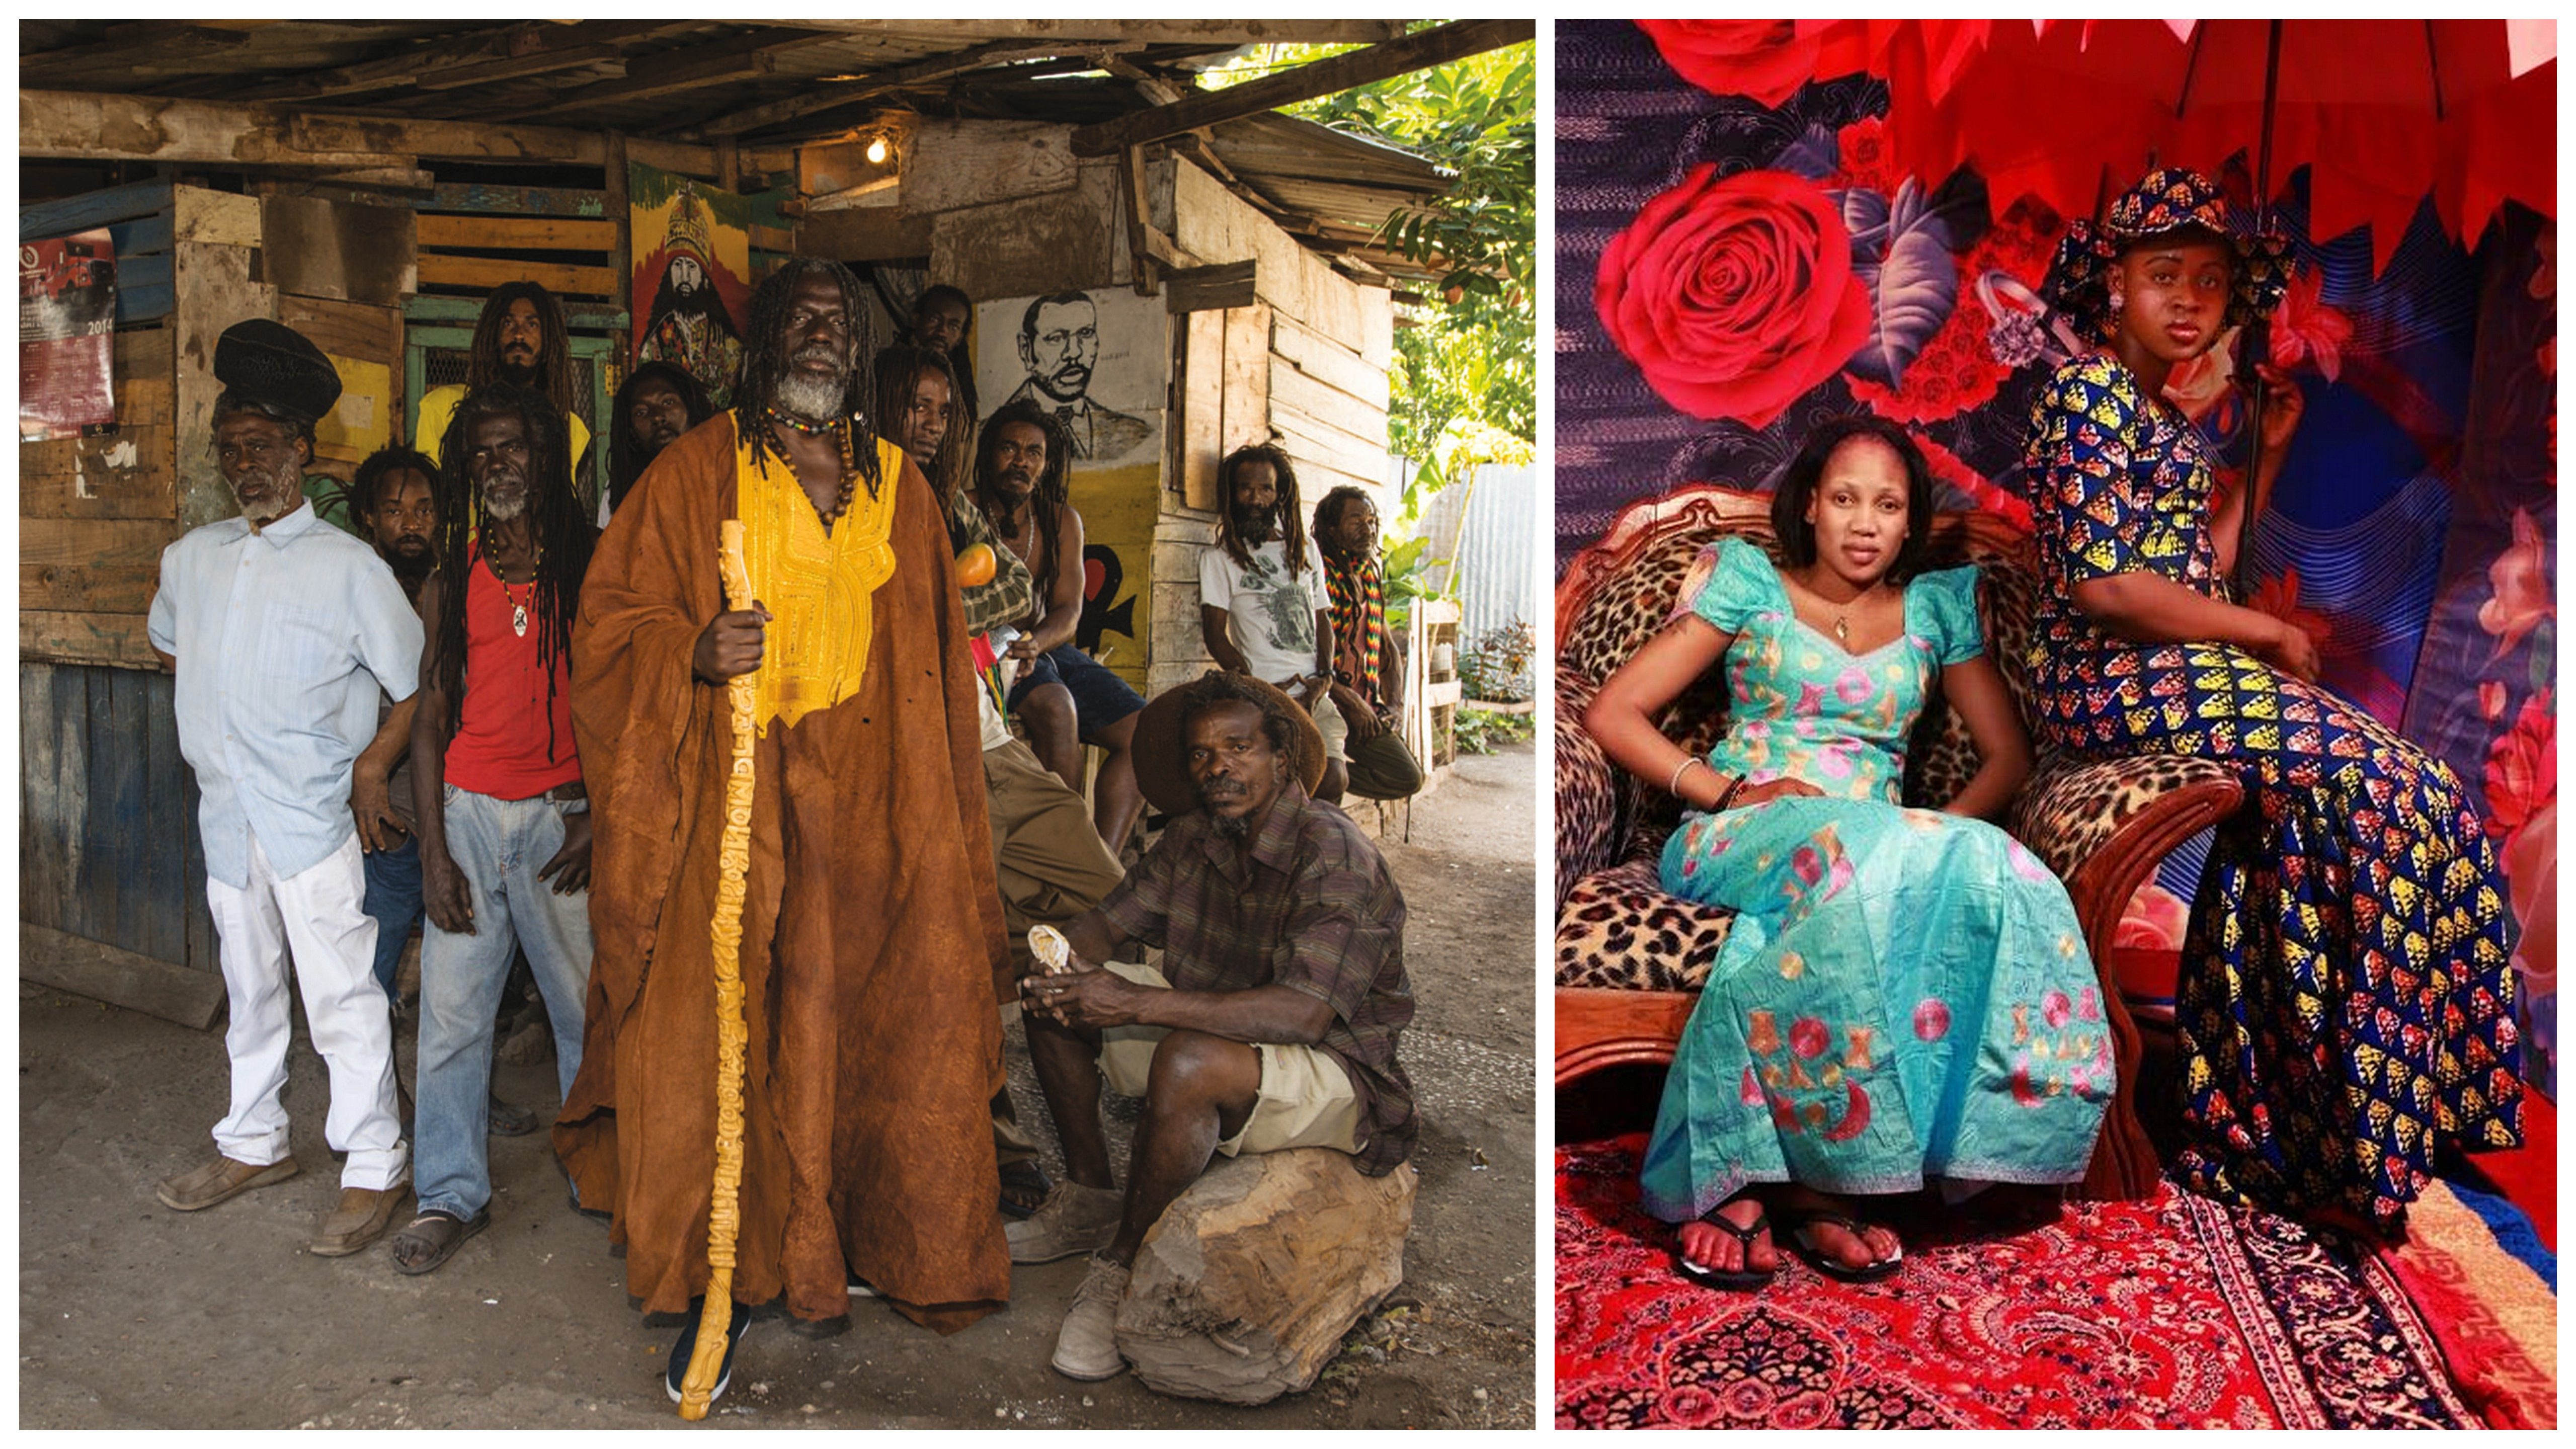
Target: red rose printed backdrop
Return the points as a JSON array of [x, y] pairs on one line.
[[1740, 256], [1734, 295]]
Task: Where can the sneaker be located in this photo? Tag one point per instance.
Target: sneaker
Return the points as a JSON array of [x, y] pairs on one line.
[[687, 1347], [220, 1181], [1073, 1219], [1086, 1347]]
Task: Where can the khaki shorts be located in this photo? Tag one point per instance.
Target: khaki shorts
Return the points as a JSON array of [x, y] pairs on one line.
[[1305, 1098]]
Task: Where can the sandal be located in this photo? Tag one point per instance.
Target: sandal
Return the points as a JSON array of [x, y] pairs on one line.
[[441, 1233], [1831, 1266], [1025, 1186], [1741, 1280]]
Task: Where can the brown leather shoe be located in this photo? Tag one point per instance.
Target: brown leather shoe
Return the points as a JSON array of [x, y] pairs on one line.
[[361, 1217], [219, 1180]]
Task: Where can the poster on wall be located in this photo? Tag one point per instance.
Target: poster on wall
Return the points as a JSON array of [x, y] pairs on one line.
[[689, 287], [1100, 363], [1100, 360], [66, 335]]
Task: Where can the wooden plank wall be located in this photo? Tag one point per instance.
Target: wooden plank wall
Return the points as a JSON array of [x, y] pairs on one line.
[[107, 814], [1305, 367]]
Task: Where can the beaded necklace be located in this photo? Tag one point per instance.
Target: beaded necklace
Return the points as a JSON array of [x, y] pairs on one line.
[[518, 606], [840, 429]]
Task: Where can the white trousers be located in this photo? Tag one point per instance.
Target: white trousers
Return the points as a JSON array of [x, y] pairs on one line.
[[317, 913]]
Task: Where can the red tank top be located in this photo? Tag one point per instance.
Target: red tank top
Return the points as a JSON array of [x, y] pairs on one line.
[[502, 746]]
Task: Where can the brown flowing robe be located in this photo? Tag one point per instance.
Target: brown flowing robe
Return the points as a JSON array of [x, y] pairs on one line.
[[871, 937]]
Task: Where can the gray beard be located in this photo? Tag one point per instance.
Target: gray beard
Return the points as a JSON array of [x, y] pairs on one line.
[[814, 401], [500, 512], [1233, 827]]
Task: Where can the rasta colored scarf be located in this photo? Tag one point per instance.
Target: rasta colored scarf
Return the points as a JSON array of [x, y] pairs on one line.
[[1359, 619]]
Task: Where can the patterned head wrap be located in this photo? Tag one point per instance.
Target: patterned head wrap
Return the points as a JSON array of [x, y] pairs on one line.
[[2171, 199]]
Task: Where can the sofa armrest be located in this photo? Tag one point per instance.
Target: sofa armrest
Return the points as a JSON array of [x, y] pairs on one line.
[[1587, 792], [2103, 825]]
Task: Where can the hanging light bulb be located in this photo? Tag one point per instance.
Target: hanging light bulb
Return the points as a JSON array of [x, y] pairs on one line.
[[877, 149]]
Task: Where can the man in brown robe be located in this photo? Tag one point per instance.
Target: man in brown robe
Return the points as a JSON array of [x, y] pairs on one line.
[[872, 931]]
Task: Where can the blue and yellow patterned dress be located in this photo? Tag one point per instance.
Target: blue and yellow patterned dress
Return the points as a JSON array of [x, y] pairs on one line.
[[2345, 998], [1904, 994]]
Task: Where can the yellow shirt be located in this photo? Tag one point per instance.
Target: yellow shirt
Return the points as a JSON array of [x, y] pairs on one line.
[[819, 587], [438, 407]]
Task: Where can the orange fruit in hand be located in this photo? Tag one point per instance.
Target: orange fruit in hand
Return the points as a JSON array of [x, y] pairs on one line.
[[975, 565]]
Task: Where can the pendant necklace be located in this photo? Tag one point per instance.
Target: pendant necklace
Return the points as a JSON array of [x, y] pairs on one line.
[[518, 606]]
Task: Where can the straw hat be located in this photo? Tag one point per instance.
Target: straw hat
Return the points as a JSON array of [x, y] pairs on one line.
[[1161, 752], [2079, 276]]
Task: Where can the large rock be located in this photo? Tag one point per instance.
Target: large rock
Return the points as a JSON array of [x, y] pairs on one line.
[[1244, 1289]]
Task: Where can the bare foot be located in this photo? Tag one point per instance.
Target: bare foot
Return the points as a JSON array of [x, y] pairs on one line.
[[1722, 1251], [1874, 1244]]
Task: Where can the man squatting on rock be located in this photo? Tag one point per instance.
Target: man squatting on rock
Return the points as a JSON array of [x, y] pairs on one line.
[[1274, 1022]]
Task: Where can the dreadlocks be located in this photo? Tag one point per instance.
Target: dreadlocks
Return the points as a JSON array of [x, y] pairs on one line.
[[1290, 516], [764, 362], [562, 536], [554, 346], [1046, 499], [1329, 510], [900, 370]]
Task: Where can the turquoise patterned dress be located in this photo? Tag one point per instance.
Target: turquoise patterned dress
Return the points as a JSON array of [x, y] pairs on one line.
[[1904, 994]]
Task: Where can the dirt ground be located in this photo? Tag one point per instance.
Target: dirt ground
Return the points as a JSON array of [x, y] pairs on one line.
[[134, 1316]]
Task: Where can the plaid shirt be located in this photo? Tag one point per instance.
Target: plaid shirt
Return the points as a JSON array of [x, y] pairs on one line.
[[1314, 911]]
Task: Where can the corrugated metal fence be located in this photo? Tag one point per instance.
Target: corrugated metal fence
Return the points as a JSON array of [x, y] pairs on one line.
[[1494, 557]]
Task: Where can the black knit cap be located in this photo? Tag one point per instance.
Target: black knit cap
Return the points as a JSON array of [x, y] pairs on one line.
[[273, 364]]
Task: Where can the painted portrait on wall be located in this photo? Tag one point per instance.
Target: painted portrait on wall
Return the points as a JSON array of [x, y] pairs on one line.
[[689, 292], [1101, 362], [1098, 360]]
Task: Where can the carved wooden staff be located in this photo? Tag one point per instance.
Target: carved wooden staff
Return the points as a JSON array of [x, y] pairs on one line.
[[724, 1212]]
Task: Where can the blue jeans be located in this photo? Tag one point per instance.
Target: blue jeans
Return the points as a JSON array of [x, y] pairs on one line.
[[393, 902], [498, 846]]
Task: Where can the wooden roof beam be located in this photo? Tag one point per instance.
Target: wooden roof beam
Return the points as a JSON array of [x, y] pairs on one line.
[[472, 57], [1438, 46], [89, 126], [1224, 34], [129, 42], [744, 57], [931, 68]]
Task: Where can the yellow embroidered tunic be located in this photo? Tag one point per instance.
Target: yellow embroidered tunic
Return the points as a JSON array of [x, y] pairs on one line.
[[817, 586]]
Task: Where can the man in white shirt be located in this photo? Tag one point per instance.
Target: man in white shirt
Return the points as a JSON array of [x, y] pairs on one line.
[[1262, 604], [282, 630]]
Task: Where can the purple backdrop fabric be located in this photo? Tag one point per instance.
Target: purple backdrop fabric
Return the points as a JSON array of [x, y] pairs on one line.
[[2413, 526]]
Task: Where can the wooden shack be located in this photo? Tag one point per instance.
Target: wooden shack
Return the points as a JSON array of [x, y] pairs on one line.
[[368, 181]]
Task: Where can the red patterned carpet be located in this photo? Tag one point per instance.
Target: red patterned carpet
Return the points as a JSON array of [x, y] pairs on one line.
[[2169, 1313]]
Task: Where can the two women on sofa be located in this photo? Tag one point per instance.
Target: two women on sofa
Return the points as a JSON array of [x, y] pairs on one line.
[[1904, 998]]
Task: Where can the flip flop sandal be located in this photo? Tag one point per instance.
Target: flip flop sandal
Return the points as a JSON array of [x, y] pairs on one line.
[[442, 1247], [1029, 1180], [1831, 1266], [1741, 1280]]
